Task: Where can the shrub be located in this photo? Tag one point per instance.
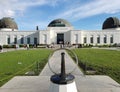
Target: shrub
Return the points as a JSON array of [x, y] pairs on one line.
[[9, 46]]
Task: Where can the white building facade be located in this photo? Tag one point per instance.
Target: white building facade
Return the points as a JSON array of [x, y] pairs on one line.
[[60, 31]]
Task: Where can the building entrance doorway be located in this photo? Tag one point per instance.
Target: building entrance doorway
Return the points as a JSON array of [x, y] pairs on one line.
[[60, 38]]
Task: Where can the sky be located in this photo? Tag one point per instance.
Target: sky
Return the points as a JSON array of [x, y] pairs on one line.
[[82, 14]]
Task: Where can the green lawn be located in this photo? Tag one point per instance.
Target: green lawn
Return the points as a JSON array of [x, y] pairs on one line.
[[102, 61], [19, 62]]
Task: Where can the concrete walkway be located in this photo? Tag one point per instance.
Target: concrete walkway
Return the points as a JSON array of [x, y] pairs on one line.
[[41, 83], [11, 49]]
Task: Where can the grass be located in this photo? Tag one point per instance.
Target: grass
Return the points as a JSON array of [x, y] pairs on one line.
[[19, 62], [105, 62]]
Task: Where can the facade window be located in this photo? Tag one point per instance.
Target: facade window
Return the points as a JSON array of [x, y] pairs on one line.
[[15, 40], [111, 39], [85, 40], [28, 40], [98, 39], [91, 39], [8, 40], [105, 39], [22, 40], [35, 40]]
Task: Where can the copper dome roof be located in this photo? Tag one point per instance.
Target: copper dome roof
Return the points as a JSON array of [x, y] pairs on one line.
[[111, 22], [59, 23], [8, 22]]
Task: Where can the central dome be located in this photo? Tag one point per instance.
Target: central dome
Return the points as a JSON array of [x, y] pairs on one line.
[[59, 23]]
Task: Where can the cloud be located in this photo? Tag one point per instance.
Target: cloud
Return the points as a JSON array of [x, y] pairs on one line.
[[12, 7], [69, 9], [95, 7]]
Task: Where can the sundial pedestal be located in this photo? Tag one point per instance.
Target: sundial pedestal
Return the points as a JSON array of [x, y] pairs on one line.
[[62, 82]]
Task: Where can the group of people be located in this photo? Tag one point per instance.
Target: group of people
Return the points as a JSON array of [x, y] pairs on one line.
[[25, 46]]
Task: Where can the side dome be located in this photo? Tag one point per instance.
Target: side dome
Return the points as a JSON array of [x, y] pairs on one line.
[[8, 22], [59, 23], [111, 22]]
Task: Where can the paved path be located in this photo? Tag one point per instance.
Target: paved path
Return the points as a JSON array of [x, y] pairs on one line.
[[42, 83], [11, 49], [55, 63]]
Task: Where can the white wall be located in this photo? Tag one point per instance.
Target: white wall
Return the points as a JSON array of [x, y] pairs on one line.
[[18, 34], [76, 37], [44, 35], [102, 33], [50, 36], [95, 34], [67, 36], [55, 30]]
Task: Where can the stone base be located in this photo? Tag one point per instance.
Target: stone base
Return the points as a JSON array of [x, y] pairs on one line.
[[71, 87]]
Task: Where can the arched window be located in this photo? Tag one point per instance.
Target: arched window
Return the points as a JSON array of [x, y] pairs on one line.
[[91, 39], [15, 39], [98, 39], [111, 39], [28, 40], [22, 39], [85, 40], [105, 39], [35, 40], [8, 39]]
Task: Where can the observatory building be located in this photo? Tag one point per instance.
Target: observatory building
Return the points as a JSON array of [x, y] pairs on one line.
[[59, 31]]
